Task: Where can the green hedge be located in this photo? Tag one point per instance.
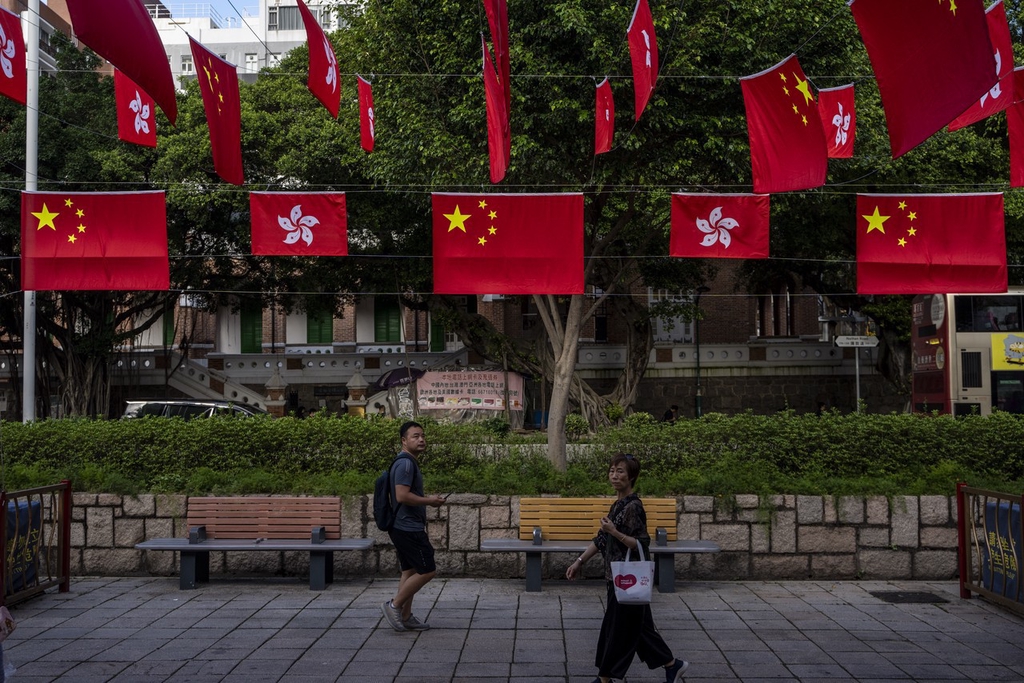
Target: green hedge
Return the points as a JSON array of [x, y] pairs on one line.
[[781, 453]]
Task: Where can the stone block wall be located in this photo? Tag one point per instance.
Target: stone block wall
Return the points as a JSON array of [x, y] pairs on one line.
[[778, 537]]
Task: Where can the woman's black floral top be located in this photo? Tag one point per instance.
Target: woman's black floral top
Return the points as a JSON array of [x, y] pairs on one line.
[[630, 518]]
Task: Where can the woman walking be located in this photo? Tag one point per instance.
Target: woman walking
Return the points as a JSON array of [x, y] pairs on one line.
[[626, 630]]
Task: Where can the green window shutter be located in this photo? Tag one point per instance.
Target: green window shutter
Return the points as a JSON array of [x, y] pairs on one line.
[[387, 321], [436, 337], [169, 328], [319, 327], [252, 329]]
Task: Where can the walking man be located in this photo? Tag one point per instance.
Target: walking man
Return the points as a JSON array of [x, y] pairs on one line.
[[412, 545]]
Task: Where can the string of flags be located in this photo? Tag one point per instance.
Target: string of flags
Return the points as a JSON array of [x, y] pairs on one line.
[[953, 68]]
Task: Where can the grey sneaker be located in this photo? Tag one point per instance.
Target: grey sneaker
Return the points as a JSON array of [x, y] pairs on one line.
[[393, 615], [414, 624]]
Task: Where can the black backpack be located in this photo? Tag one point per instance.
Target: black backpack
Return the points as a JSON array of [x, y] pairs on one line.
[[384, 509]]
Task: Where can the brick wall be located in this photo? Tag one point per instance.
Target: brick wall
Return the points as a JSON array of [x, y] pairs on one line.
[[781, 537]]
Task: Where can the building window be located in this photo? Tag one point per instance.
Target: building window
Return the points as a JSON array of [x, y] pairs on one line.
[[169, 328], [273, 60], [281, 18], [387, 320], [670, 329], [319, 327], [252, 64], [187, 67], [251, 319]]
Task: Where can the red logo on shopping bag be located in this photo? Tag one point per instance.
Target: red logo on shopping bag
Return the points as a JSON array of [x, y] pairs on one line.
[[625, 581]]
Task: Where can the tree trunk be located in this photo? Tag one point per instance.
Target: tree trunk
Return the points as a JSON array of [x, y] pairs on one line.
[[564, 342]]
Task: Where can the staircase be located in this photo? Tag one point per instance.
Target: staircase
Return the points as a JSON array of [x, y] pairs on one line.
[[198, 381]]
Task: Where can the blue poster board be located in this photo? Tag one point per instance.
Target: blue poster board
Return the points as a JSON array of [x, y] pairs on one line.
[[1000, 567], [24, 533]]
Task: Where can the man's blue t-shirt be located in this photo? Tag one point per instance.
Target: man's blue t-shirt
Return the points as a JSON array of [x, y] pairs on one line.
[[405, 472]]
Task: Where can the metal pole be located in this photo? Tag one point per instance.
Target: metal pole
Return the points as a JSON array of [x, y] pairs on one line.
[[856, 355], [28, 337], [698, 401]]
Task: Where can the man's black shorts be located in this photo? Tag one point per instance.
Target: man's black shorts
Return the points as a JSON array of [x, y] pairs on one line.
[[414, 550]]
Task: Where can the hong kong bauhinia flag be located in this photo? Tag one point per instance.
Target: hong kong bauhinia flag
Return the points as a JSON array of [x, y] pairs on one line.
[[604, 118], [367, 115], [13, 78], [94, 241], [720, 225], [930, 243], [299, 223], [508, 243], [218, 83], [839, 119], [643, 52], [787, 143], [123, 33], [932, 60], [324, 79], [497, 120], [1015, 123], [135, 112], [1000, 96]]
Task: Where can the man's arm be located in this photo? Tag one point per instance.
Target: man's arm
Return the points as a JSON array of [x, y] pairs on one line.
[[405, 496]]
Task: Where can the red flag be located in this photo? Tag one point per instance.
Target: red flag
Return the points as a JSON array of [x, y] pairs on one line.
[[838, 118], [367, 116], [324, 76], [930, 243], [787, 143], [643, 51], [604, 118], [720, 225], [497, 121], [13, 76], [508, 243], [1015, 124], [932, 61], [299, 223], [94, 241], [122, 32], [135, 120], [218, 82], [497, 20], [1001, 95]]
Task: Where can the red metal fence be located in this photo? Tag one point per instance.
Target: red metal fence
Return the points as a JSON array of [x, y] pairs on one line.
[[990, 545], [35, 533]]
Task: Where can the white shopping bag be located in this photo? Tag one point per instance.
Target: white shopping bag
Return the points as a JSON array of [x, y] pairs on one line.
[[633, 581]]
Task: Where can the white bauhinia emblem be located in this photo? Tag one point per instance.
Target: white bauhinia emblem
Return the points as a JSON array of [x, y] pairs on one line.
[[647, 43], [370, 118], [298, 226], [842, 124], [7, 50], [141, 114], [716, 229], [332, 66], [996, 91]]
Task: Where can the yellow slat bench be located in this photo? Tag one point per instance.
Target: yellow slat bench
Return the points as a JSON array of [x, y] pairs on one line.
[[567, 525], [266, 523]]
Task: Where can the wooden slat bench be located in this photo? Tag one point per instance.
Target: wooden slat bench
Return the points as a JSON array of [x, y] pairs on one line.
[[567, 525], [260, 523]]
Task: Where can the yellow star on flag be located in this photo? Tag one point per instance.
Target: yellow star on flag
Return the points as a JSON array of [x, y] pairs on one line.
[[72, 239], [456, 220], [483, 204], [45, 218], [492, 230], [782, 76], [805, 89], [81, 228], [903, 206], [80, 213], [483, 241], [492, 215], [912, 215], [876, 221], [912, 231], [952, 7], [902, 242], [68, 202]]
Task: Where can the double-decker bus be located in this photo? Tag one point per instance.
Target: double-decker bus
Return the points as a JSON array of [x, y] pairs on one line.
[[968, 353]]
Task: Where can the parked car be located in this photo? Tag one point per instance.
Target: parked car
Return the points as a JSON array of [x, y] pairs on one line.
[[188, 409]]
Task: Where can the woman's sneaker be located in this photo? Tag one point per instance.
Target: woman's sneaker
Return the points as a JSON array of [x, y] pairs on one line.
[[414, 624], [674, 673]]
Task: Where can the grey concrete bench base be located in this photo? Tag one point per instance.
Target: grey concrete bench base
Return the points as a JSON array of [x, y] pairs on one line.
[[195, 557], [664, 556]]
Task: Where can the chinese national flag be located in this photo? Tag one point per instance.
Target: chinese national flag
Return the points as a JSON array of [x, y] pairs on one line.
[[367, 115], [218, 82], [1001, 95], [930, 243], [13, 77], [1015, 124], [720, 225], [123, 33], [497, 120], [643, 52], [838, 118], [932, 61], [324, 76], [94, 241], [299, 223], [604, 118], [135, 120], [508, 243], [787, 143]]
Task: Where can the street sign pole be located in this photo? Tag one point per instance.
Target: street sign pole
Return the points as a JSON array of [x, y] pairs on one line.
[[857, 342], [856, 366]]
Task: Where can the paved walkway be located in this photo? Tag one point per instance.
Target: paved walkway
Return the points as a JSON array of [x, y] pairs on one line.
[[145, 629]]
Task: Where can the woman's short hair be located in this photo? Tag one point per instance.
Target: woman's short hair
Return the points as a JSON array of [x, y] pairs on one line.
[[631, 463]]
